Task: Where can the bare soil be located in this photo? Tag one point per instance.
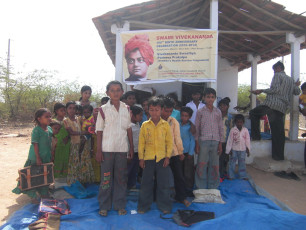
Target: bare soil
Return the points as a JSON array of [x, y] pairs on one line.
[[13, 154], [14, 151], [290, 192]]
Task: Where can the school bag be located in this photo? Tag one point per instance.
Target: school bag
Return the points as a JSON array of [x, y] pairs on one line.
[[188, 217], [54, 206], [50, 212]]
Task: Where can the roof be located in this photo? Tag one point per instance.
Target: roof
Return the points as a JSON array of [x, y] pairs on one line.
[[263, 22]]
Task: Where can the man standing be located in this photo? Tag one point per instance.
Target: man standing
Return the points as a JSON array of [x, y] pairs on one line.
[[277, 101]]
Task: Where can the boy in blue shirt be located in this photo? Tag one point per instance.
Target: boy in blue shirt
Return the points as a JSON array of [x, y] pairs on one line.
[[189, 145]]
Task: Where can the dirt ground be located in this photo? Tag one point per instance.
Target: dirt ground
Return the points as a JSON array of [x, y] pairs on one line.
[[13, 154], [290, 192], [14, 151]]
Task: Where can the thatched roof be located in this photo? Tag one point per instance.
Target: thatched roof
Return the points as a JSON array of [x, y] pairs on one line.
[[234, 16]]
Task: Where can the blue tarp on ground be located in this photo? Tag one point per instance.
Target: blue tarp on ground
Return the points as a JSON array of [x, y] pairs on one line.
[[244, 209]]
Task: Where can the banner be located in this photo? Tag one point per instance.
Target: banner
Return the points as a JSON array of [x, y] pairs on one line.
[[169, 55]]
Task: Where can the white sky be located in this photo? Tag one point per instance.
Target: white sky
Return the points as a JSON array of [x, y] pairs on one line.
[[59, 35]]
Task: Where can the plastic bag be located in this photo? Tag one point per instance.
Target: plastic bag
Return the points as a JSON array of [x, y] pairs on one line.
[[207, 196]]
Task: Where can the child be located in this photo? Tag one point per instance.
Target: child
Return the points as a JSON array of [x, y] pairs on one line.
[[302, 97], [189, 145], [104, 100], [175, 113], [88, 120], [145, 114], [177, 155], [223, 105], [78, 110], [209, 138], [238, 144], [114, 131], [178, 106], [85, 96], [195, 104], [88, 123], [40, 151], [55, 126], [130, 98], [154, 150], [133, 165], [61, 156], [79, 167]]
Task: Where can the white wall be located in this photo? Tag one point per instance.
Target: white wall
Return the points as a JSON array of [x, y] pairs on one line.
[[169, 87], [294, 150], [227, 82]]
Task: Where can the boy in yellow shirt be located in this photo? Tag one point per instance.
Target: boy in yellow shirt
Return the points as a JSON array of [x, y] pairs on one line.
[[154, 151]]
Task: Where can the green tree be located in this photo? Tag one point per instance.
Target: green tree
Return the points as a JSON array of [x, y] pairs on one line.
[[22, 94], [244, 96]]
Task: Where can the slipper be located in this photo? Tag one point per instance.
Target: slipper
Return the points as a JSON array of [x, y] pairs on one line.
[[141, 212], [294, 176], [122, 212], [282, 174], [103, 212]]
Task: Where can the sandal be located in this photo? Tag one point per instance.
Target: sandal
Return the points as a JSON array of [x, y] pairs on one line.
[[141, 212], [122, 212], [103, 212]]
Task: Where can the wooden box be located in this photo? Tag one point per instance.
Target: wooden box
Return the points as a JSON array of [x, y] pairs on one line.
[[35, 176]]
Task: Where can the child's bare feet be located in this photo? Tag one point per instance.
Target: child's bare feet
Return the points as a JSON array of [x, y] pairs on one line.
[[122, 212], [141, 212], [186, 203], [103, 212]]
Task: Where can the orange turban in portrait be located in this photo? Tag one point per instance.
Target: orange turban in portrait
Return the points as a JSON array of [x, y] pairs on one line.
[[140, 42]]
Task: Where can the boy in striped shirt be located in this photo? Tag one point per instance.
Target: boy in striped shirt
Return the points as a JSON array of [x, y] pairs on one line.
[[209, 138]]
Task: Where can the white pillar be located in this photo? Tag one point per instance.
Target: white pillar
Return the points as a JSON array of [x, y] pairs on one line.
[[214, 23], [119, 49], [295, 74], [254, 60], [214, 15]]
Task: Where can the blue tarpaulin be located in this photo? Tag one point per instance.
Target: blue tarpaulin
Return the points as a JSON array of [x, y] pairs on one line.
[[244, 209]]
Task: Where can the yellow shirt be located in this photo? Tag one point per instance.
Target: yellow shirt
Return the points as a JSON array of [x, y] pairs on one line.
[[303, 98], [176, 134], [155, 141]]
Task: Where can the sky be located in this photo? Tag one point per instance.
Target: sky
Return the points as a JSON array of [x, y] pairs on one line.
[[60, 36]]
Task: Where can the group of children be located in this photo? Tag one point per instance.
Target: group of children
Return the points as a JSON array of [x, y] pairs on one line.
[[122, 139]]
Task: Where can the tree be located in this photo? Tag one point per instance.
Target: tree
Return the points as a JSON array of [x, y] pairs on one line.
[[244, 96], [22, 94]]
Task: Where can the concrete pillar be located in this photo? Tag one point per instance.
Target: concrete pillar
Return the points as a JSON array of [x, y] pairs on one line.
[[116, 29], [254, 60], [295, 43], [214, 23]]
